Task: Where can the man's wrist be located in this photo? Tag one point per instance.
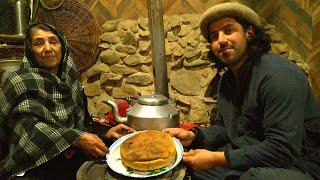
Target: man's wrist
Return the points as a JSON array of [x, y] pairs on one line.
[[198, 141], [194, 132], [219, 159]]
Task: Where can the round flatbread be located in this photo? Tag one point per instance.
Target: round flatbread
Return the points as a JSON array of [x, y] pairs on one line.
[[148, 150]]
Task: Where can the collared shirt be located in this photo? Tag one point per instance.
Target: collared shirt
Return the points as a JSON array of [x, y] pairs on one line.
[[263, 123]]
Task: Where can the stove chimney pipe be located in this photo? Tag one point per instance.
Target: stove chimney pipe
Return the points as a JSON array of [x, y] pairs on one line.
[[159, 63], [21, 8]]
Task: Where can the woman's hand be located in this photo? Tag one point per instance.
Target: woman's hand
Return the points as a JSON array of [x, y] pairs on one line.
[[202, 159], [118, 131], [186, 137], [92, 145]]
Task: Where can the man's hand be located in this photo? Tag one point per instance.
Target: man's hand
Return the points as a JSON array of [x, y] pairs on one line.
[[92, 145], [186, 137], [202, 159], [118, 131]]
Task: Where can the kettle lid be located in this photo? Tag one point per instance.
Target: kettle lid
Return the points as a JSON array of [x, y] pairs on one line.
[[153, 100]]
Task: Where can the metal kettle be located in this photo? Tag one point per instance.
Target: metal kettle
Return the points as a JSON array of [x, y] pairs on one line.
[[150, 112]]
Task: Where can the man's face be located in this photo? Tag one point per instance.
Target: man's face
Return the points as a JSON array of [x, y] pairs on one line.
[[228, 41], [46, 47]]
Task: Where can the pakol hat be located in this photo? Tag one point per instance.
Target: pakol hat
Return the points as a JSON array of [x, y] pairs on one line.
[[223, 10]]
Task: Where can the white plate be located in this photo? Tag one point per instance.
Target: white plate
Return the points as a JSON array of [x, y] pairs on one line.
[[115, 163]]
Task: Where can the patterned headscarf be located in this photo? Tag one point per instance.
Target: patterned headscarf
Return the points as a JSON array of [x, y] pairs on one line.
[[41, 113]]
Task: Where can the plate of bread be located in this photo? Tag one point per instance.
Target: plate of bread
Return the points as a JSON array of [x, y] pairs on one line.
[[144, 154]]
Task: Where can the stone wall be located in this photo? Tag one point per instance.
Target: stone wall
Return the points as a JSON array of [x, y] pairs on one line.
[[124, 67]]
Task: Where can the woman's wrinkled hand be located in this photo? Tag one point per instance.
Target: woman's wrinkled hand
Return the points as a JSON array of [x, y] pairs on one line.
[[186, 137], [118, 131], [92, 145]]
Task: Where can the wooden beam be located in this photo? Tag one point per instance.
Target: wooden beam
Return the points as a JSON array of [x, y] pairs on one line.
[[8, 38]]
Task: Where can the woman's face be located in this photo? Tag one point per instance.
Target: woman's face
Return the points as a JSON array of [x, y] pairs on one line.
[[46, 48]]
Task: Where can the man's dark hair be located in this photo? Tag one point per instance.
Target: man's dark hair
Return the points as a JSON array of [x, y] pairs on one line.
[[260, 42]]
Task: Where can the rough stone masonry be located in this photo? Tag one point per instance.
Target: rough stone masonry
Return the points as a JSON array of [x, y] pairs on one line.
[[124, 67]]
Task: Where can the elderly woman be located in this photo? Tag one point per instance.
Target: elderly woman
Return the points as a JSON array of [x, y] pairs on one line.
[[44, 122]]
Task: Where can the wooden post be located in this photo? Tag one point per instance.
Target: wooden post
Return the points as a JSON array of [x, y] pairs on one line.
[[159, 64]]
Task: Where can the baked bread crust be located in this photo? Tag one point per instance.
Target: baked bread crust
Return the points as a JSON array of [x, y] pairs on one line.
[[148, 150]]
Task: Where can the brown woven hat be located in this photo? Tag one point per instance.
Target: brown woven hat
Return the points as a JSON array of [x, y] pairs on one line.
[[224, 10]]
